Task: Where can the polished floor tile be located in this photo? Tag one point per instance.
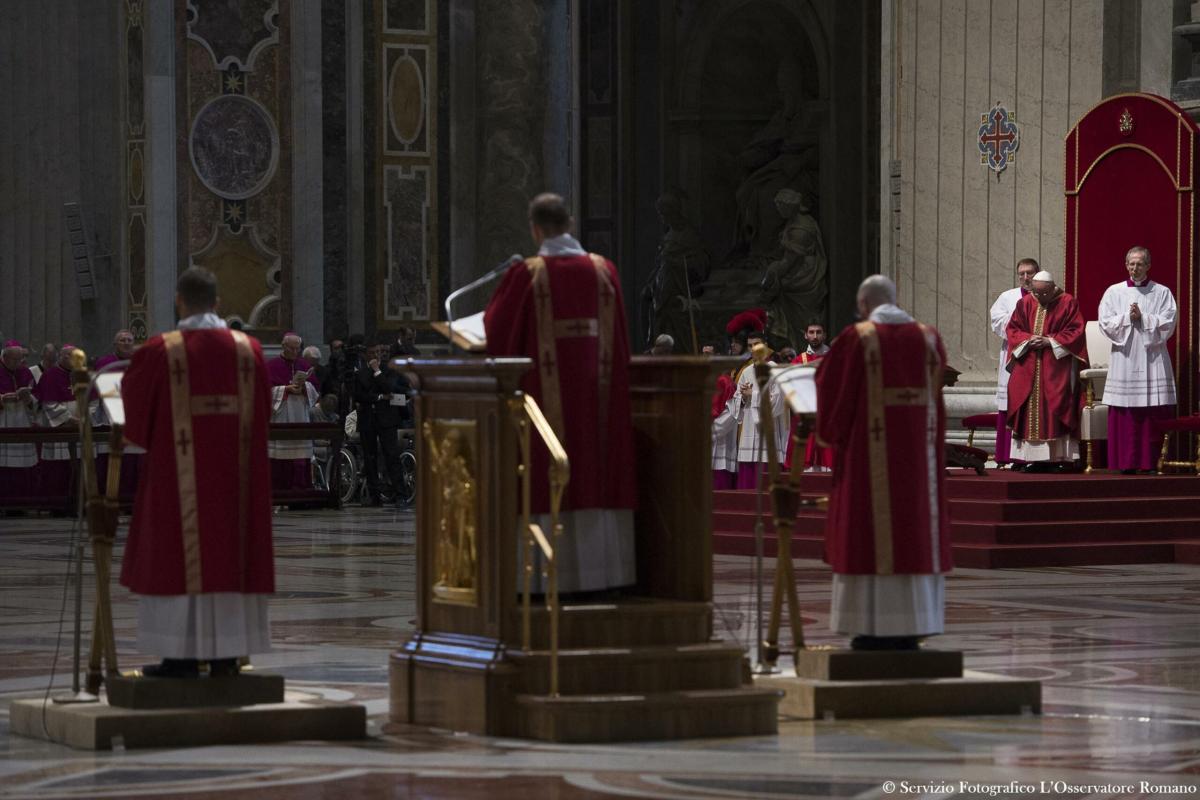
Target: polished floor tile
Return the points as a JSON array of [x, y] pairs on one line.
[[1118, 650]]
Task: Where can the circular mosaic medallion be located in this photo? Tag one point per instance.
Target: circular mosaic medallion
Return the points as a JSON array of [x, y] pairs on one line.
[[234, 147]]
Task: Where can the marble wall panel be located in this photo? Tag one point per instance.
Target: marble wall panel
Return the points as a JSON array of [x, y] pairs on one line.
[[950, 61], [404, 110], [926, 162], [1056, 121], [235, 134], [950, 188], [976, 184], [904, 146], [1002, 195], [1087, 57], [60, 142], [1157, 45]]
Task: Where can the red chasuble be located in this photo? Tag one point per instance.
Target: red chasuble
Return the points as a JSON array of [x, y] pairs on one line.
[[566, 313], [879, 400], [199, 403], [1043, 393]]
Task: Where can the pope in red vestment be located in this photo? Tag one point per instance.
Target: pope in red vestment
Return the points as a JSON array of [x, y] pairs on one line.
[[879, 403], [563, 309], [199, 547], [1047, 348]]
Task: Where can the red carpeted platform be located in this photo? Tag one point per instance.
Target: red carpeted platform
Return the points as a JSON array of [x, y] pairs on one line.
[[1007, 519]]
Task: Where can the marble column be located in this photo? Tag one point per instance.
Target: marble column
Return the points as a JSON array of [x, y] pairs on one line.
[[161, 193], [308, 272], [511, 97]]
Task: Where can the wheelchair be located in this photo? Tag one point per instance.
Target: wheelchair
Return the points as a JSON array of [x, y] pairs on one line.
[[349, 464]]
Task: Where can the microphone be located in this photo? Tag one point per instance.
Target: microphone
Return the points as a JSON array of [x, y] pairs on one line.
[[488, 277]]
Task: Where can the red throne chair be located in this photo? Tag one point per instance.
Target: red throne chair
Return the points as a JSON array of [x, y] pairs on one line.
[[1131, 180]]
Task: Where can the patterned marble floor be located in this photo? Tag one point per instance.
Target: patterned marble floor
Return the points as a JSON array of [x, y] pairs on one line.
[[1117, 647]]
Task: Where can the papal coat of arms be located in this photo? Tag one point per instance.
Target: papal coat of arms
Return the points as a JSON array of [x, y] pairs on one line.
[[999, 138]]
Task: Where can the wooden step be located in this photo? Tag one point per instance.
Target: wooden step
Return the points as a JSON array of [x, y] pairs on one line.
[[662, 668], [627, 622], [655, 716]]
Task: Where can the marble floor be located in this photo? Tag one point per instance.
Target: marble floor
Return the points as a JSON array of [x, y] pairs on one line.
[[1118, 649]]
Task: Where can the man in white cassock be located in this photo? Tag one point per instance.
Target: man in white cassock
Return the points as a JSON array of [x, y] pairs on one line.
[[751, 448], [1137, 316], [1002, 311]]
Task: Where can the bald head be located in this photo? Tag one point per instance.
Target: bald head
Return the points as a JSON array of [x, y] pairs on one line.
[[875, 291], [290, 345]]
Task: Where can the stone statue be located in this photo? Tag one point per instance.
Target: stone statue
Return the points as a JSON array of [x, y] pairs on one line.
[[681, 265], [781, 155], [794, 283]]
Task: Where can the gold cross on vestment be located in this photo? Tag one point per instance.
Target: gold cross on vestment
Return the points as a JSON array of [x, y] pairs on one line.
[[183, 442]]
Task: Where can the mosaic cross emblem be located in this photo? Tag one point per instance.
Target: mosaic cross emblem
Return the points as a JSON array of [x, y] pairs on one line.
[[999, 138]]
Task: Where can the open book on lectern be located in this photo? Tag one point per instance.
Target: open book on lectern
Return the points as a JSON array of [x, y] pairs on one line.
[[108, 388], [465, 332]]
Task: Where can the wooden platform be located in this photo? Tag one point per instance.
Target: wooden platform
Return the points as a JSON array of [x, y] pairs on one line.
[[247, 689], [633, 669], [837, 664], [100, 726], [975, 693]]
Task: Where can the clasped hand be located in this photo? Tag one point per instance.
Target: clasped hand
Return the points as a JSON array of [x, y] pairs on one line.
[[1135, 313], [1038, 342]]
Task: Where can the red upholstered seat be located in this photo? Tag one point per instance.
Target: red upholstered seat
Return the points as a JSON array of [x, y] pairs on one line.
[[980, 421], [1191, 423]]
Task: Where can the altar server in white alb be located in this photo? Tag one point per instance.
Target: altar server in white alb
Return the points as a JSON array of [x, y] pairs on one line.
[[1138, 316], [1002, 311]]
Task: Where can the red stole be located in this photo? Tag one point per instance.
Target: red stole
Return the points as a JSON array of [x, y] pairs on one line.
[[199, 404], [1043, 394], [566, 313], [879, 395]]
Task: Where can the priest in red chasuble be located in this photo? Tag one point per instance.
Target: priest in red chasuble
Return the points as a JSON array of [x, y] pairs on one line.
[[1046, 350], [887, 538], [199, 548], [563, 309]]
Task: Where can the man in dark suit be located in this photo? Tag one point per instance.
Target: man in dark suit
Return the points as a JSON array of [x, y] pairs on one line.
[[381, 395]]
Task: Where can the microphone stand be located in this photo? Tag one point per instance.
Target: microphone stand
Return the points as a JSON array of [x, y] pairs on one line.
[[486, 278]]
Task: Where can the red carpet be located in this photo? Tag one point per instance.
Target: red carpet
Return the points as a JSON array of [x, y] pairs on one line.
[[1007, 519]]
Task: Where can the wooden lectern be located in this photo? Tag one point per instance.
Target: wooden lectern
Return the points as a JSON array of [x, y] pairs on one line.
[[644, 666]]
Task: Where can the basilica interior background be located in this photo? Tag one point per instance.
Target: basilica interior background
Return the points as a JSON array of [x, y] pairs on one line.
[[343, 165]]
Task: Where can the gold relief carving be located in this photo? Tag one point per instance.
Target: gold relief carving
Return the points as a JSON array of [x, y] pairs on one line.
[[1126, 123], [453, 467]]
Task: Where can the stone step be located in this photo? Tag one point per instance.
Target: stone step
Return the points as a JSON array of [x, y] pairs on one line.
[[642, 717], [625, 622], [664, 668]]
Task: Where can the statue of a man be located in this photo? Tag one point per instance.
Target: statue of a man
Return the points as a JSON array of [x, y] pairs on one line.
[[781, 155], [794, 284], [681, 265]]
